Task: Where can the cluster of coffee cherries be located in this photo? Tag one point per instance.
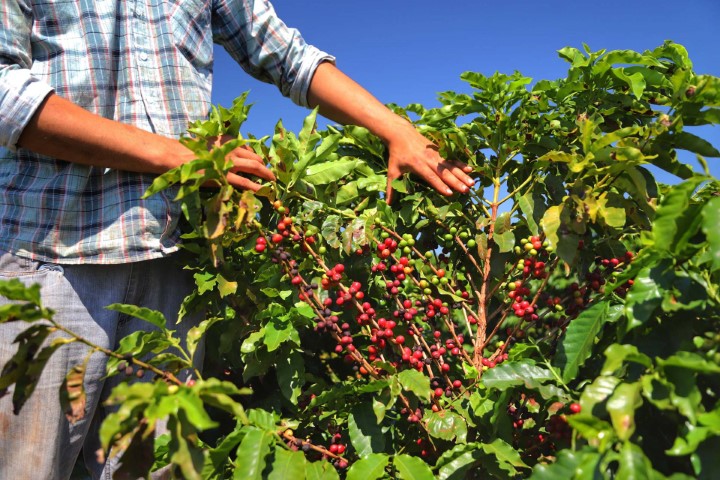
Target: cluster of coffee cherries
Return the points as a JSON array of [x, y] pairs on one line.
[[519, 293], [534, 435], [535, 249], [488, 363], [400, 270]]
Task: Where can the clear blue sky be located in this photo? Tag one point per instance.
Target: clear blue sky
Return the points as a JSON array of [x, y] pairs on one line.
[[406, 51]]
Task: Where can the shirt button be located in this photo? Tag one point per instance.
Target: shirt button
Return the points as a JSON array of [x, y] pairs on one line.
[[143, 56]]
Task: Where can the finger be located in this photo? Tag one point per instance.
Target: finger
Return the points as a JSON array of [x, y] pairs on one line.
[[461, 170], [393, 174], [453, 176], [432, 177], [242, 183], [252, 167], [246, 152]]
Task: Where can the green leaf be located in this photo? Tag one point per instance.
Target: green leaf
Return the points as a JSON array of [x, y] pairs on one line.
[[198, 332], [287, 465], [505, 241], [622, 405], [598, 392], [533, 208], [277, 331], [251, 343], [635, 81], [251, 453], [331, 171], [320, 470], [194, 409], [692, 143], [711, 229], [598, 433], [291, 375], [151, 316], [647, 292], [370, 467], [327, 146], [455, 463], [183, 453], [384, 401], [508, 459], [569, 465], [226, 287], [14, 289], [330, 231], [524, 372], [347, 193], [670, 222], [634, 465], [220, 455], [689, 443], [551, 223], [690, 361], [613, 217], [567, 248], [365, 434], [447, 425], [577, 344], [616, 355], [411, 468], [262, 419], [416, 382]]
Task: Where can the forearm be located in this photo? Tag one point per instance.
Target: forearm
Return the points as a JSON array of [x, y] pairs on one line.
[[343, 100], [63, 130]]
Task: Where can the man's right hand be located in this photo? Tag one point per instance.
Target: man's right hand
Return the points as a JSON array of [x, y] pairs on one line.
[[63, 130], [246, 162]]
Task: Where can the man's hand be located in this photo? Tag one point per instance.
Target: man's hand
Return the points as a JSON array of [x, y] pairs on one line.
[[341, 99], [410, 152], [63, 130], [245, 161]]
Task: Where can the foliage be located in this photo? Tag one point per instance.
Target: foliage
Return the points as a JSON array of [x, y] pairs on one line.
[[560, 321]]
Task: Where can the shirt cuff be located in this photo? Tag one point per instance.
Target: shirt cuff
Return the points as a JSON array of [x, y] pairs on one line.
[[312, 57], [21, 94]]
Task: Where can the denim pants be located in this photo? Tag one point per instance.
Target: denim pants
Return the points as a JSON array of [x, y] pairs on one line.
[[40, 443]]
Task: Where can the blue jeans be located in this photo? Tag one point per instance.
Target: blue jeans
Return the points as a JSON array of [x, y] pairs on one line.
[[40, 443]]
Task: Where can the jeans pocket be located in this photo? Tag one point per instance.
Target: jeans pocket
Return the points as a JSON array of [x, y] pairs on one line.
[[50, 267], [15, 266]]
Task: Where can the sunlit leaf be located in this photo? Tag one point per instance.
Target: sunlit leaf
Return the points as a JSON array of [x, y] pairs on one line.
[[411, 468], [370, 467], [577, 344]]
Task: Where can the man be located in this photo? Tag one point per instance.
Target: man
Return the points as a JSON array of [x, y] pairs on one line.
[[93, 97]]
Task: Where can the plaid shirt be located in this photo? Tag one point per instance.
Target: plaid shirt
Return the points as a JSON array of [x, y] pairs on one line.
[[143, 62]]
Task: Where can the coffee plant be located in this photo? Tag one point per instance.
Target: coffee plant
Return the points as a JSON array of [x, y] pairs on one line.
[[561, 320]]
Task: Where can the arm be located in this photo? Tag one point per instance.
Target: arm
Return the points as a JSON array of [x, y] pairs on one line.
[[342, 100], [33, 117], [66, 131]]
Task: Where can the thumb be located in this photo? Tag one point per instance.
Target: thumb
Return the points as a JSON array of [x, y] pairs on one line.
[[389, 191], [392, 175]]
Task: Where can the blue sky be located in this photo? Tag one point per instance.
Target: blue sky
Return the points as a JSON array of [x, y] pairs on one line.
[[406, 51]]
